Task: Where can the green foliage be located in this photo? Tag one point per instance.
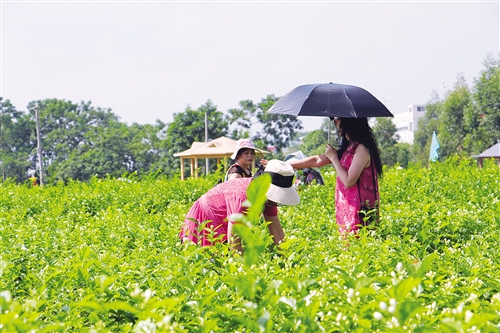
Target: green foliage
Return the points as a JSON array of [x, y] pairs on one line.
[[17, 141], [189, 127], [467, 120], [426, 126], [242, 118], [314, 143], [278, 130], [451, 127], [80, 141], [387, 138], [105, 256], [483, 119]]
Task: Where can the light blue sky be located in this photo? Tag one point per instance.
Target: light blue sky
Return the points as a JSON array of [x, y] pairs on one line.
[[148, 60]]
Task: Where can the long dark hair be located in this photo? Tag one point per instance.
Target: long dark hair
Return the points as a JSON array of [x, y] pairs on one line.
[[357, 130]]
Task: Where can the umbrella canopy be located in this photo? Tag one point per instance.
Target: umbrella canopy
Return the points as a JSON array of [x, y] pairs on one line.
[[330, 100]]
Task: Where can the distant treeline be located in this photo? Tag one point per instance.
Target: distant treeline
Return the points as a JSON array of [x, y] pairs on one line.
[[80, 141]]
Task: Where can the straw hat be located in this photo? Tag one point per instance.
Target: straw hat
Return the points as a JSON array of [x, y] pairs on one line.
[[282, 189], [245, 143]]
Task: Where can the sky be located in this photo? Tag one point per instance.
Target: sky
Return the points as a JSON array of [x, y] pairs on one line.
[[150, 59]]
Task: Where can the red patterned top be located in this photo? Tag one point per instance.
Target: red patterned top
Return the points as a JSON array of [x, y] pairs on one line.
[[347, 200]]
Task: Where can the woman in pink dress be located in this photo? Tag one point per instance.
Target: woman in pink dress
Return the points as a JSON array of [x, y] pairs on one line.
[[207, 220], [358, 170]]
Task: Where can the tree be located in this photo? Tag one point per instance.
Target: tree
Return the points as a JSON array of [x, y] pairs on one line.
[[144, 145], [483, 118], [188, 127], [242, 118], [73, 135], [385, 133], [17, 142], [404, 154], [451, 129], [104, 153], [277, 129], [314, 142]]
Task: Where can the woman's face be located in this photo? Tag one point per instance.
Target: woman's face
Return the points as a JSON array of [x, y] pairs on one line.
[[246, 157], [337, 121]]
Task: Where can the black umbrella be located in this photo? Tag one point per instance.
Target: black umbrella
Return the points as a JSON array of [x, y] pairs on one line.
[[330, 100]]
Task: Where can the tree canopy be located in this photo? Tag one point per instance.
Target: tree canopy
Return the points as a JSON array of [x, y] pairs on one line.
[[80, 141]]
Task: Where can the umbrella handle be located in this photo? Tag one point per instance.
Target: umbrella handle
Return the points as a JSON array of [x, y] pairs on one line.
[[329, 130]]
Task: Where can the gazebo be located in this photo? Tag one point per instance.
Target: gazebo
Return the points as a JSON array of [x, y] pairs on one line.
[[492, 152], [220, 148]]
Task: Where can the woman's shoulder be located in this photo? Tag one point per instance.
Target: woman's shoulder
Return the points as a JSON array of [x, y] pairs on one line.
[[236, 168], [359, 147], [364, 153], [233, 185]]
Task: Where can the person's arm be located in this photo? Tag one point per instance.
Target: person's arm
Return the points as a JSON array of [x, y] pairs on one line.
[[275, 228], [234, 206], [360, 160], [232, 238], [234, 175], [310, 162]]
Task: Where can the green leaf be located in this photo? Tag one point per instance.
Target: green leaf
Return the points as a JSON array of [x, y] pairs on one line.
[[404, 287], [408, 309], [256, 196], [423, 267]]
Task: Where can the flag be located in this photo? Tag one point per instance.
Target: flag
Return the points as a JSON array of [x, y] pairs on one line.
[[433, 156]]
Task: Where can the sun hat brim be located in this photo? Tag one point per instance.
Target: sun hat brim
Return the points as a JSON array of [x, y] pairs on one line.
[[283, 195], [257, 150]]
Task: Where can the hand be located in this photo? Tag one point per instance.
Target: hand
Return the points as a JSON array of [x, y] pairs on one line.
[[263, 162], [331, 153]]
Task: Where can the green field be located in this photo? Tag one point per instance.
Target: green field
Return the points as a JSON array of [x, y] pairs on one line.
[[104, 256]]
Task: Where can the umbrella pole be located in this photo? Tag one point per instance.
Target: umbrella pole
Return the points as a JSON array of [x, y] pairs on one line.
[[329, 130]]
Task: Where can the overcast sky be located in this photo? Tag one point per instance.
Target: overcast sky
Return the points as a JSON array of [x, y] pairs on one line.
[[149, 60]]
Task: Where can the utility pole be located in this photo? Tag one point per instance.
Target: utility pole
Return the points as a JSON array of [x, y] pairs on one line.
[[39, 143], [206, 140]]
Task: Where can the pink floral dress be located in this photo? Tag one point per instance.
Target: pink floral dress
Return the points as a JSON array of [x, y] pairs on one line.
[[348, 201], [207, 220]]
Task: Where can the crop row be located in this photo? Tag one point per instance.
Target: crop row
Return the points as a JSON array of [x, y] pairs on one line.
[[104, 256]]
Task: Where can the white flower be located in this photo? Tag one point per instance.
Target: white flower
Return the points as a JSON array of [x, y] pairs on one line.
[[6, 295], [383, 306], [145, 326], [147, 295], [468, 316], [377, 315], [399, 267]]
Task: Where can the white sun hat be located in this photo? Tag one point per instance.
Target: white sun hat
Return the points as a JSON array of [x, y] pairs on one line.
[[242, 144], [282, 189]]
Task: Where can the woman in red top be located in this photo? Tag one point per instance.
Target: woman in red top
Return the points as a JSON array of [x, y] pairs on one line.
[[225, 199]]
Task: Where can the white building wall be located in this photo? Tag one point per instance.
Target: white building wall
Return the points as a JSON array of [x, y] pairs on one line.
[[407, 122]]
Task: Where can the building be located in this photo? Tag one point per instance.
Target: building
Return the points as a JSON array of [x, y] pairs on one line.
[[492, 152], [407, 122]]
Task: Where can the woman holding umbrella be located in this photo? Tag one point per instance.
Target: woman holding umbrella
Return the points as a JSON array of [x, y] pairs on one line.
[[358, 170]]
